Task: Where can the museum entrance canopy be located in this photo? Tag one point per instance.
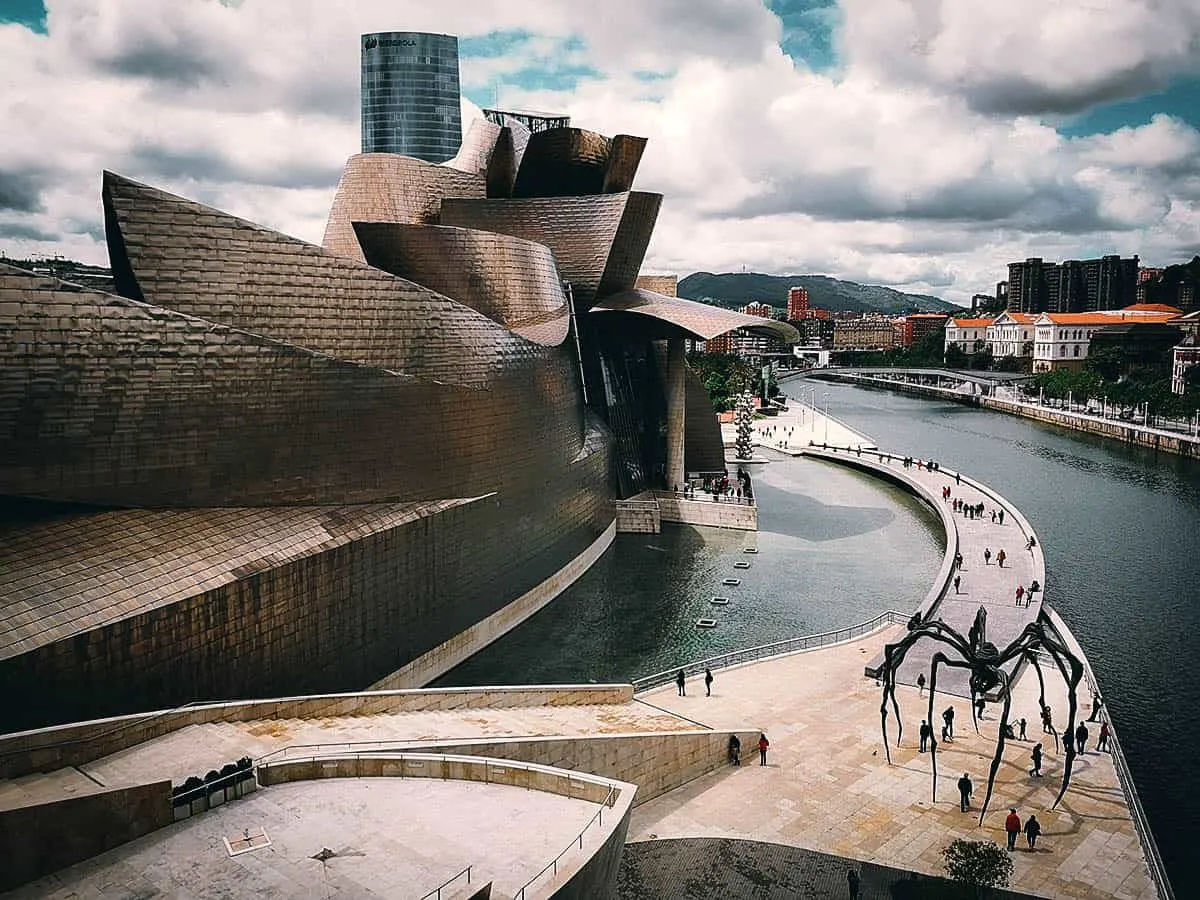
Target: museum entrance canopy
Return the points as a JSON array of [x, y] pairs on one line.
[[658, 317]]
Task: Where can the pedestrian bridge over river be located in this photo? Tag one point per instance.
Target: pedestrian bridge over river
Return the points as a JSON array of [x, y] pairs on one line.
[[936, 376]]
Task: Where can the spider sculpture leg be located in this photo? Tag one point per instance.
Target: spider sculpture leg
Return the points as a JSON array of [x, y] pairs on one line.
[[987, 797], [939, 658], [1042, 695], [1063, 658]]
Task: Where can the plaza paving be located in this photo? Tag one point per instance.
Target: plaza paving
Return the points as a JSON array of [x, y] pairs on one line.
[[828, 786], [198, 748], [391, 837]]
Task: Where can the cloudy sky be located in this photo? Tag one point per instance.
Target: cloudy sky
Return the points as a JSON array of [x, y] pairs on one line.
[[917, 143]]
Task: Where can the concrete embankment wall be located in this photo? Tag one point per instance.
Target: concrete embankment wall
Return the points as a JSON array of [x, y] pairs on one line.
[[71, 745], [721, 514], [1137, 435], [1126, 432], [656, 762], [37, 840]]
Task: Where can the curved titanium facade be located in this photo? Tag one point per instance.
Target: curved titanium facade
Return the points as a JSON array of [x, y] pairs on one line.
[[599, 241], [509, 280], [384, 187], [410, 95], [270, 468]]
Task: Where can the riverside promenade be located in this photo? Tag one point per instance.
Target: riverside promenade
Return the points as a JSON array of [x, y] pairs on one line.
[[827, 785]]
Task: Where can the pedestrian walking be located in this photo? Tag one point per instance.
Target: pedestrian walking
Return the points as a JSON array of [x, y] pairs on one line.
[[1012, 827], [958, 477], [735, 750], [852, 882], [1001, 517], [1032, 829], [1036, 755], [763, 744], [987, 556], [921, 685], [1047, 721], [1081, 736], [1021, 725], [926, 733], [980, 706], [948, 718], [681, 682], [708, 680], [957, 582], [1102, 741], [1001, 557], [1020, 594], [958, 560], [1097, 702], [965, 790], [993, 517], [1031, 543]]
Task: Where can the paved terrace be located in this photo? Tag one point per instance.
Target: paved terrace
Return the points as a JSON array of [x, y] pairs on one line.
[[195, 749], [828, 787], [391, 837]]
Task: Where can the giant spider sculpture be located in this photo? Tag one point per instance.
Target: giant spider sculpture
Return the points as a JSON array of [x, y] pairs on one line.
[[986, 665]]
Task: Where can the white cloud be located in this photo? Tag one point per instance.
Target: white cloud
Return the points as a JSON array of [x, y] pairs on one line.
[[891, 169]]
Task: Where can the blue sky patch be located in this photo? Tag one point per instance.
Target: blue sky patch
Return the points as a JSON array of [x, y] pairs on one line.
[[808, 30], [560, 66], [1181, 100], [30, 13]]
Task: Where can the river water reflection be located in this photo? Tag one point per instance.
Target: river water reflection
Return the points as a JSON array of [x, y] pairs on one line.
[[1118, 526], [825, 535]]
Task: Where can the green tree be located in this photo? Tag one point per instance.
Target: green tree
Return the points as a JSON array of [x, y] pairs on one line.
[[1008, 364], [955, 357], [981, 864]]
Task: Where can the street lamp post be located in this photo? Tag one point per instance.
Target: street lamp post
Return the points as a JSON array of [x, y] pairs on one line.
[[826, 418]]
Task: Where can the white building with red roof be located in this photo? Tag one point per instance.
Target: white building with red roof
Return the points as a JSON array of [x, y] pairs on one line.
[[1061, 340]]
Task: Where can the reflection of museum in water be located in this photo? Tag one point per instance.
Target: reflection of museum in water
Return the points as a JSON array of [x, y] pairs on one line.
[[270, 467]]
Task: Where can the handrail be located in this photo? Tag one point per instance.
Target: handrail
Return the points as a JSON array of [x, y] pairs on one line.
[[702, 496], [396, 745], [124, 726], [578, 839], [437, 891], [775, 648], [1158, 870]]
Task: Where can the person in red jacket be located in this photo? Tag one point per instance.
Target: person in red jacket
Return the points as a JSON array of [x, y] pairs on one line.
[[1012, 825], [763, 744]]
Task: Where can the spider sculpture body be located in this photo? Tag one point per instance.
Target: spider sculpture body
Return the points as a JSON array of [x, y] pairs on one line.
[[986, 664]]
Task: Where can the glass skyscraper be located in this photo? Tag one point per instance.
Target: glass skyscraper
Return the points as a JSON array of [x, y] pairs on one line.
[[410, 95]]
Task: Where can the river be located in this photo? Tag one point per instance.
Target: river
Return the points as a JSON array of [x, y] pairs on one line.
[[1118, 527]]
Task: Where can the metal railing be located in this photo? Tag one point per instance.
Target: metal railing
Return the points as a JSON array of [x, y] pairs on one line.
[[702, 496], [776, 648], [1158, 871], [390, 745], [576, 843], [133, 721], [437, 891]]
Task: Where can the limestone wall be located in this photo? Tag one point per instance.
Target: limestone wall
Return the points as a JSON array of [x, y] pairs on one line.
[[68, 745], [36, 840], [655, 762], [731, 514]]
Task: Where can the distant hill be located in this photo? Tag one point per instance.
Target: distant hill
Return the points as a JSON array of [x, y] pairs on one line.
[[733, 289]]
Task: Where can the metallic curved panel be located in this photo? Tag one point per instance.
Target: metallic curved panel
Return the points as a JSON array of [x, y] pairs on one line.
[[677, 317], [563, 162], [205, 263], [510, 280], [594, 239], [629, 246], [477, 147], [624, 156], [387, 187], [111, 402]]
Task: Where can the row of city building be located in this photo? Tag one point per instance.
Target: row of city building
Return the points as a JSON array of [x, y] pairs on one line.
[[1090, 285], [1147, 336]]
